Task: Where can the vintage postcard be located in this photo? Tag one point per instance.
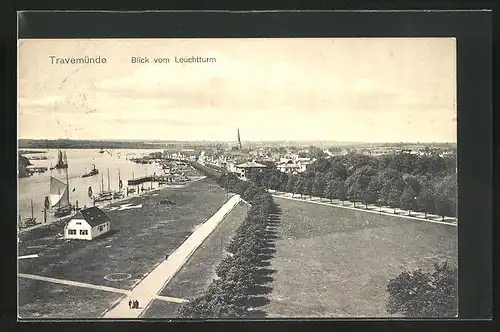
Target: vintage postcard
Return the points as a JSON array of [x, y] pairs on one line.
[[237, 178]]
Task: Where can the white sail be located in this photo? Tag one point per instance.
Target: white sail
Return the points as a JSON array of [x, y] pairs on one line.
[[59, 194]]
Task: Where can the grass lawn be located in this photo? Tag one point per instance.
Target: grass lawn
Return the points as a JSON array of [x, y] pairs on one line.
[[39, 299], [198, 272], [138, 242], [161, 309], [334, 262]]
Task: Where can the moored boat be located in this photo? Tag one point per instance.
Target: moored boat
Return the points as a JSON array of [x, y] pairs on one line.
[[93, 172], [104, 195], [59, 197], [62, 161]]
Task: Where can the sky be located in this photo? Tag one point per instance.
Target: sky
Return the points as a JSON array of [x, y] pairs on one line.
[[330, 89]]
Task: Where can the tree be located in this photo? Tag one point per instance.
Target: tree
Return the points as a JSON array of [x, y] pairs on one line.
[[283, 180], [241, 187], [330, 190], [320, 166], [316, 153], [388, 178], [413, 182], [341, 191], [426, 200], [274, 182], [424, 294], [299, 186], [446, 196], [308, 186], [319, 185], [393, 198], [372, 192], [358, 183], [250, 192], [291, 185], [408, 200]]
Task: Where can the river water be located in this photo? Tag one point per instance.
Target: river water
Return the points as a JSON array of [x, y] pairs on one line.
[[80, 161]]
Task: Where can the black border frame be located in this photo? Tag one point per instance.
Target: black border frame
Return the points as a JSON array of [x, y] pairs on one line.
[[473, 33]]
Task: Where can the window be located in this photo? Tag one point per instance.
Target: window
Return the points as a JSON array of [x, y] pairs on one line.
[[83, 232], [71, 231], [100, 228]]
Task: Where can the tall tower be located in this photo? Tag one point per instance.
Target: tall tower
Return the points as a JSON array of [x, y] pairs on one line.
[[239, 140]]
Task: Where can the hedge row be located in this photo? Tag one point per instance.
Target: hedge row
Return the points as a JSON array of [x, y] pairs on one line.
[[238, 274]]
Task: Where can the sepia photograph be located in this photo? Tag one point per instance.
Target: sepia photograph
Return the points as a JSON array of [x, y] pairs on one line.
[[237, 178]]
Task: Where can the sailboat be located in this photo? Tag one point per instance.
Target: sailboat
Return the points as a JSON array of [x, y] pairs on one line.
[[59, 197], [62, 160], [102, 148], [104, 195], [119, 194]]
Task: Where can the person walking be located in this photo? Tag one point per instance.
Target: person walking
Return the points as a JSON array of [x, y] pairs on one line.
[[130, 304], [136, 304]]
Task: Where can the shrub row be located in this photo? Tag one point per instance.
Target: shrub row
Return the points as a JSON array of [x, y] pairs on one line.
[[238, 273]]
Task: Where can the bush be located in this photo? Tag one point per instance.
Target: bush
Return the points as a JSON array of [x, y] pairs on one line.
[[424, 294]]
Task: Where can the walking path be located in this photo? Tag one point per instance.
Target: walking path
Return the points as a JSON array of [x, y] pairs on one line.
[[92, 286], [154, 282], [74, 283], [378, 211]]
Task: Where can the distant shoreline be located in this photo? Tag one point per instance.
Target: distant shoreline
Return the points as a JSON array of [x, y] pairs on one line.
[[22, 152], [156, 144]]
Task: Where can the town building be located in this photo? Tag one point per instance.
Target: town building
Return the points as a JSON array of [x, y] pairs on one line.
[[293, 167], [87, 224], [246, 169]]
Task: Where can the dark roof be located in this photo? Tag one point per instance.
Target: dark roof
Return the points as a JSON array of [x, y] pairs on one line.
[[93, 216], [251, 164]]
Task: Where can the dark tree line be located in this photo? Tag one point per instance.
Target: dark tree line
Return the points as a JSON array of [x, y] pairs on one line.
[[238, 273], [410, 182]]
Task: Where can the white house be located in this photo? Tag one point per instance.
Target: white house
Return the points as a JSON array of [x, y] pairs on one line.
[[87, 224]]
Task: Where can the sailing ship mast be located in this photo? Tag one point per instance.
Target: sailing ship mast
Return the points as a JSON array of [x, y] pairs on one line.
[[119, 181], [109, 189], [67, 180]]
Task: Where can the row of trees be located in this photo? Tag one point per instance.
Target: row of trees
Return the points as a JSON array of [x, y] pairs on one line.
[[415, 183], [238, 274]]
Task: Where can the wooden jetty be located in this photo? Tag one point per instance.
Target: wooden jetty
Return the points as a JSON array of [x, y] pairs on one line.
[[149, 178], [36, 169]]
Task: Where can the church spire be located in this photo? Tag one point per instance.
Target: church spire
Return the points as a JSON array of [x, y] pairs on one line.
[[239, 140]]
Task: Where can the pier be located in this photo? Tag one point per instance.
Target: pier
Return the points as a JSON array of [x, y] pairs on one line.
[[150, 178], [36, 169]]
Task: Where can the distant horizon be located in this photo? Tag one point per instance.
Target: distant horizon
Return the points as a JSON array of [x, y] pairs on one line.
[[229, 141]]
